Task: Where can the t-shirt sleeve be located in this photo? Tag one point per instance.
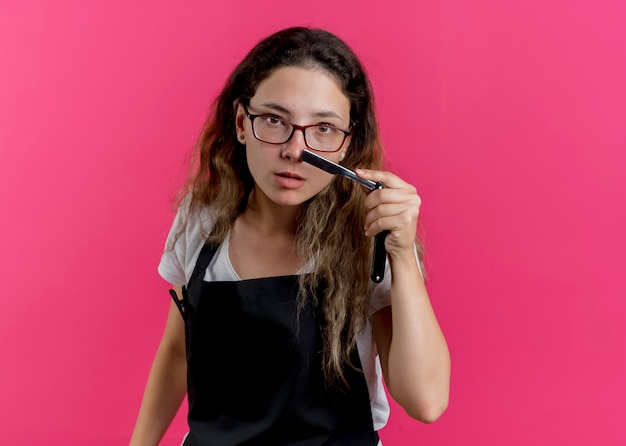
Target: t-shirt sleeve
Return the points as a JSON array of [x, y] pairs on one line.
[[173, 260], [381, 292], [184, 243]]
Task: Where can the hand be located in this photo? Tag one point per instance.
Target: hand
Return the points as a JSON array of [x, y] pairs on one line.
[[394, 208]]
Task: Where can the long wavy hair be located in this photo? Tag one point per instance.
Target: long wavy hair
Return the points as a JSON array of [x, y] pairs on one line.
[[330, 225]]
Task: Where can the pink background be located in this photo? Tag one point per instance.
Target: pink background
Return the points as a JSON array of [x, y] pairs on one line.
[[509, 117]]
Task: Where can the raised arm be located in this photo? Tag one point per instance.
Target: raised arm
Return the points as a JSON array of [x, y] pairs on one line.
[[412, 349]]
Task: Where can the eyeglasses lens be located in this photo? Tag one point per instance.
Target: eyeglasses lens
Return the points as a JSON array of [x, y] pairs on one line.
[[276, 131]]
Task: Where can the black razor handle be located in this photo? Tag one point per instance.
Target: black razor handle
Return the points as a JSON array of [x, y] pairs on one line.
[[379, 259]]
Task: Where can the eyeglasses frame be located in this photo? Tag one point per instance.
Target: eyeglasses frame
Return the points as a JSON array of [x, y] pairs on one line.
[[294, 127]]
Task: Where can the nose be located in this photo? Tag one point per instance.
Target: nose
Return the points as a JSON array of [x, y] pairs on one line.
[[294, 146]]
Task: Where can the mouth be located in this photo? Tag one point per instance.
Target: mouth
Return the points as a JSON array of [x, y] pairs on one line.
[[289, 180], [290, 175]]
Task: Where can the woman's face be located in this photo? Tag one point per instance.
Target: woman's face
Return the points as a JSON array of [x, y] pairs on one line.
[[302, 96]]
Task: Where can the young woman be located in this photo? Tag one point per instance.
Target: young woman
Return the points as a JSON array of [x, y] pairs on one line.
[[276, 331]]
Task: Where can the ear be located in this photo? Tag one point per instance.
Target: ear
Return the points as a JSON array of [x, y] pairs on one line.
[[344, 148], [240, 117]]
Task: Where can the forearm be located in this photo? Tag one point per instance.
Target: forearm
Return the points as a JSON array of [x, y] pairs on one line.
[[418, 361], [165, 391]]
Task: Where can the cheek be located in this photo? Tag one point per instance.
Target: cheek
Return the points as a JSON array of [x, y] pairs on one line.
[[257, 160], [320, 178]]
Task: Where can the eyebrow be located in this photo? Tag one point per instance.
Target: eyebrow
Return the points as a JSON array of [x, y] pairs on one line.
[[318, 114]]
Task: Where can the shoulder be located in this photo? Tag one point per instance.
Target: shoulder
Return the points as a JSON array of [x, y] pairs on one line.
[[190, 225], [184, 242]]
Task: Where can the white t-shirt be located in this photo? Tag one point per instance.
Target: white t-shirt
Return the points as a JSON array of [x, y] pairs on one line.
[[179, 260]]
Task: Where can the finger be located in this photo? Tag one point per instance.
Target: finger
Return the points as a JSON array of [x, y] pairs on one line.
[[391, 218], [388, 195], [392, 210], [387, 178], [401, 234]]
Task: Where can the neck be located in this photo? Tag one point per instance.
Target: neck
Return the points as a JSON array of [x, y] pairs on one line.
[[270, 218]]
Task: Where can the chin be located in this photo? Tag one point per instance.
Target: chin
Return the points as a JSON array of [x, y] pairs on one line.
[[290, 202], [284, 197]]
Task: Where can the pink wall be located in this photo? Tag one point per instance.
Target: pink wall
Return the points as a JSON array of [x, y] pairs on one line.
[[508, 117]]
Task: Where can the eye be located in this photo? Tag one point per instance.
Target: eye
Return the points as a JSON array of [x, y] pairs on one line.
[[272, 121], [324, 129]]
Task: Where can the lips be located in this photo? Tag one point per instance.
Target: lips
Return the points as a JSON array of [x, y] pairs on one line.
[[289, 180], [290, 175]]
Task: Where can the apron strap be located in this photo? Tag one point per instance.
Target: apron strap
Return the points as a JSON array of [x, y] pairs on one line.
[[206, 255]]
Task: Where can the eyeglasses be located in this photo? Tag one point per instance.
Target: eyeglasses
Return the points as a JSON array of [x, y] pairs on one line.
[[274, 130]]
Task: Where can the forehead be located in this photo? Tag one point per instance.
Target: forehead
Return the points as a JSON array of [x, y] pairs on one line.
[[303, 91]]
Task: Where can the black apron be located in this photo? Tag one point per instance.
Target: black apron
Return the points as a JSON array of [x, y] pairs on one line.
[[254, 370]]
